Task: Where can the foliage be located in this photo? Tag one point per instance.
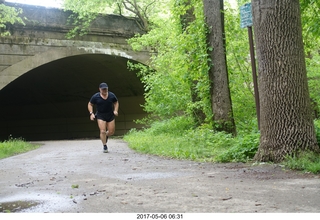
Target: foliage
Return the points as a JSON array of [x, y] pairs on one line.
[[181, 59], [317, 126], [15, 146], [244, 149], [177, 138], [310, 16], [310, 13], [9, 15], [305, 161], [85, 11], [313, 63], [240, 73]]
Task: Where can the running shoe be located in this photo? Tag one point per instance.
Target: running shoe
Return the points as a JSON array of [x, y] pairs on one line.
[[105, 149]]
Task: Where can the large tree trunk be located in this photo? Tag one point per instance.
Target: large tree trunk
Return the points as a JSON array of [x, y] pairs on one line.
[[286, 123], [218, 73]]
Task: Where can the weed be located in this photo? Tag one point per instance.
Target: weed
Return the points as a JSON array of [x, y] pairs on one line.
[[75, 186], [304, 161], [15, 146], [244, 149], [176, 138]]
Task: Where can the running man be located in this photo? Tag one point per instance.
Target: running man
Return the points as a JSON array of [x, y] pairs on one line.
[[107, 106]]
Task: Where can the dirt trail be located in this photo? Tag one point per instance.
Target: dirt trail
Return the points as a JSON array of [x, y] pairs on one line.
[[75, 176]]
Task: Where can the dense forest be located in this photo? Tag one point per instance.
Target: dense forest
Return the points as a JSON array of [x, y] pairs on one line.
[[199, 88]]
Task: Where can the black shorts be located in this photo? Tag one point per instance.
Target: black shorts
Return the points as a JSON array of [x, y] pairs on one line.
[[105, 116]]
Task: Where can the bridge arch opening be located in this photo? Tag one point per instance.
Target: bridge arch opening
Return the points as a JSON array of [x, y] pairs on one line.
[[49, 101]]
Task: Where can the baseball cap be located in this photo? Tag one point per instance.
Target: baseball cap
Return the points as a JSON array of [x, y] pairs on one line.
[[103, 86]]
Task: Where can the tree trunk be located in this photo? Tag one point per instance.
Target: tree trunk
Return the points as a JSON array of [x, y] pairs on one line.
[[286, 123], [218, 73]]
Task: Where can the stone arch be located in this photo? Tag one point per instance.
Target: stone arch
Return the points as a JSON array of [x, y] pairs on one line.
[[16, 70]]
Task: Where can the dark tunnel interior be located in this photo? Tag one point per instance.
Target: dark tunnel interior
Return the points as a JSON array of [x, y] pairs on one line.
[[50, 101]]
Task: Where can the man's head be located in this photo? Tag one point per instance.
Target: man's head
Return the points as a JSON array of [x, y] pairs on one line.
[[103, 87]]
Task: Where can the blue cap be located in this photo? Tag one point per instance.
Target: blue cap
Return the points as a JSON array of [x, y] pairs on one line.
[[103, 86]]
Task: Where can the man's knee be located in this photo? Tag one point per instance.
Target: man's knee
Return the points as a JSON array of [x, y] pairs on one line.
[[110, 132]]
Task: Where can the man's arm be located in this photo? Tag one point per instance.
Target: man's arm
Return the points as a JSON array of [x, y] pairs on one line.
[[90, 109], [115, 108]]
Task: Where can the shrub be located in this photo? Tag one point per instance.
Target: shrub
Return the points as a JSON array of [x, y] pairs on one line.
[[304, 161], [244, 149]]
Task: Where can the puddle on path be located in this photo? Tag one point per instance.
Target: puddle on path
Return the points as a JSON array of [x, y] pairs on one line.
[[36, 203], [16, 206]]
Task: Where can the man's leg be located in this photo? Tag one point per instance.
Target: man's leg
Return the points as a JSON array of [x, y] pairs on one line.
[[102, 127], [111, 126]]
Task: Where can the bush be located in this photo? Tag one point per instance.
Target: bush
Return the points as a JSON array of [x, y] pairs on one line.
[[178, 139], [244, 149], [304, 161]]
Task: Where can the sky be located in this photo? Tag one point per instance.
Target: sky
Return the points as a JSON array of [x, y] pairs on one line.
[[50, 3], [47, 3]]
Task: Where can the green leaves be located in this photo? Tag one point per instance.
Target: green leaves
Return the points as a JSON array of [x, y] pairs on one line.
[[9, 15], [243, 150], [85, 11], [305, 161], [181, 59]]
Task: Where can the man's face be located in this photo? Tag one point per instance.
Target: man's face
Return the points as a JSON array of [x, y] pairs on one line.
[[104, 91]]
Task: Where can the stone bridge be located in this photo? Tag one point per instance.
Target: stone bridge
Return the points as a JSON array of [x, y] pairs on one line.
[[46, 80]]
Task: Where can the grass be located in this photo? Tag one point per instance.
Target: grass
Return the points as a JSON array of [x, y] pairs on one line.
[[14, 146], [304, 161], [176, 138]]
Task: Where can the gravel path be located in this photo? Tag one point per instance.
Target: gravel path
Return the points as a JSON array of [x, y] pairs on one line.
[[75, 176]]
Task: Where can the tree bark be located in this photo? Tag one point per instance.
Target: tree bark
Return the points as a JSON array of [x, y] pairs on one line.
[[286, 123], [218, 73]]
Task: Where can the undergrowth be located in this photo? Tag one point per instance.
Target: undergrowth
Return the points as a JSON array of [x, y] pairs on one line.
[[317, 125], [14, 146], [176, 138], [304, 161]]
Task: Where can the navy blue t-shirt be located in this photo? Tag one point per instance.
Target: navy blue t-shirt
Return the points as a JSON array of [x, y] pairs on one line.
[[104, 105]]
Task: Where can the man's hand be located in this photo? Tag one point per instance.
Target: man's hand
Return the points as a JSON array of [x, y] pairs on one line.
[[92, 117], [115, 113]]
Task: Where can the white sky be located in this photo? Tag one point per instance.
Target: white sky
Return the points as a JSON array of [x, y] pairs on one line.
[[47, 3], [53, 3]]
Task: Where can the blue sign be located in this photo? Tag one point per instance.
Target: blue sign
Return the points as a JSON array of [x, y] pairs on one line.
[[246, 16]]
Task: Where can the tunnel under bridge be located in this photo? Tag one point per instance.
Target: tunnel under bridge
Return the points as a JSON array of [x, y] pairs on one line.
[[46, 80]]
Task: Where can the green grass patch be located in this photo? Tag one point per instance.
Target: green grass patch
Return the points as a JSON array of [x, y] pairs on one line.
[[14, 146], [304, 161], [176, 138], [243, 150]]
